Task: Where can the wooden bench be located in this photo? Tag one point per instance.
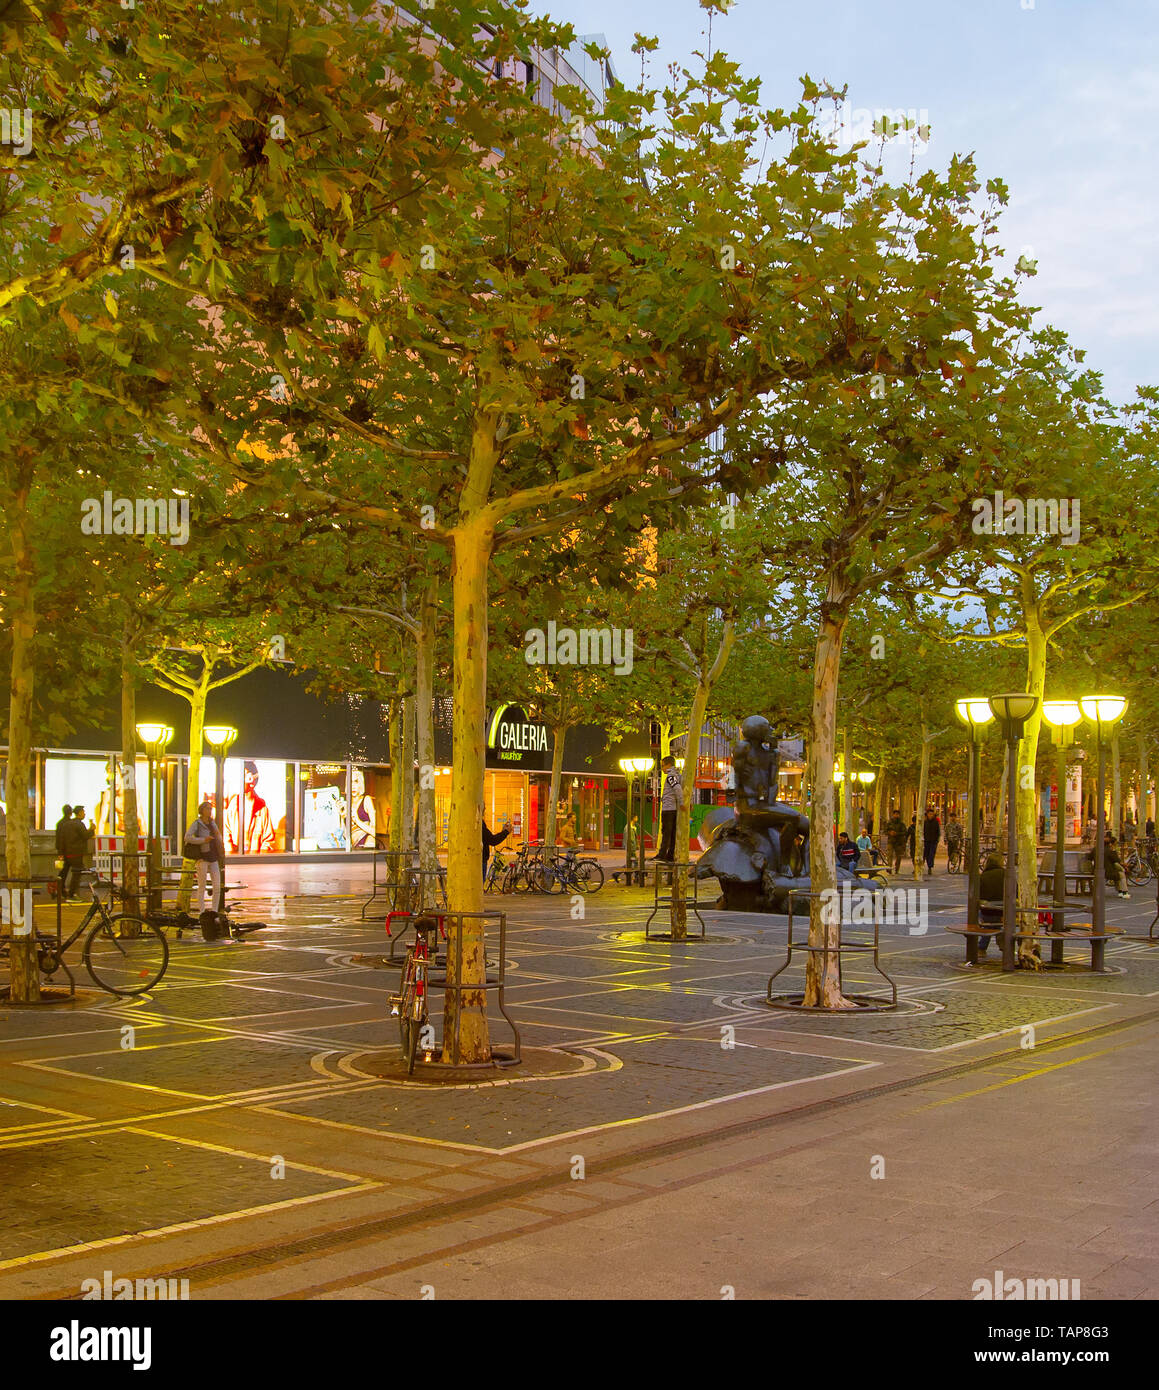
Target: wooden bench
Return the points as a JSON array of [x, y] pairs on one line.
[[972, 933], [1082, 931], [1077, 869]]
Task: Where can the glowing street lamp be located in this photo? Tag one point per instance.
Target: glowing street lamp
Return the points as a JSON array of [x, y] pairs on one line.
[[976, 714], [632, 767], [221, 738], [156, 738], [1101, 710]]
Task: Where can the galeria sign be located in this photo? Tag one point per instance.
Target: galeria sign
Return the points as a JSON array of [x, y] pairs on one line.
[[512, 734]]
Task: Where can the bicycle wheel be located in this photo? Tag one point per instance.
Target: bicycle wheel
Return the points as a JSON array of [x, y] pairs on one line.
[[1138, 870], [126, 955], [589, 877]]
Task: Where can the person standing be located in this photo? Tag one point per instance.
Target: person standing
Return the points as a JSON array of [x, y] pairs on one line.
[[953, 836], [931, 835], [490, 840], [66, 816], [672, 791], [204, 845], [895, 838], [75, 837]]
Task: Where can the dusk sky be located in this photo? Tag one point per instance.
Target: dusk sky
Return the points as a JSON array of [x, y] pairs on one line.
[[1060, 98]]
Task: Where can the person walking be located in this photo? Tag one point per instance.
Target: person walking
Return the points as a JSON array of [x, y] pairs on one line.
[[911, 836], [953, 838], [931, 835], [672, 791], [895, 839], [61, 838]]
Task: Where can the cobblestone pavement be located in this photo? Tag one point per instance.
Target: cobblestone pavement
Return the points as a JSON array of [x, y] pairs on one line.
[[233, 1125]]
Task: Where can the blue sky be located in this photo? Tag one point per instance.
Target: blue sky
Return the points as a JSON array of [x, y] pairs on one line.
[[1060, 99]]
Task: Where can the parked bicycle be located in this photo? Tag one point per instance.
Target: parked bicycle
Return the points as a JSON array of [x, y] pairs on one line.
[[956, 856], [123, 953], [567, 870], [410, 1004], [1142, 864]]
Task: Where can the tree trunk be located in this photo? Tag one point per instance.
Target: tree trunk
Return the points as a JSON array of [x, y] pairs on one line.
[[465, 1011], [558, 736], [665, 737], [1000, 810], [920, 800], [1144, 799], [877, 795], [408, 780], [25, 975], [425, 732], [131, 826], [198, 698], [394, 743], [823, 970]]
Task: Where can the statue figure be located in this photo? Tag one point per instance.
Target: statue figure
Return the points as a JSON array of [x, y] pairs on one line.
[[760, 854]]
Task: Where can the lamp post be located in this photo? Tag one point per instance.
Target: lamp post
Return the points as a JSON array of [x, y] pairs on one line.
[[1101, 711], [642, 766], [975, 714], [627, 767], [1062, 716], [156, 738], [221, 738], [1012, 711]]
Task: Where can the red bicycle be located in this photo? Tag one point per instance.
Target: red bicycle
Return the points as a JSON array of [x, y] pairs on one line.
[[410, 1004]]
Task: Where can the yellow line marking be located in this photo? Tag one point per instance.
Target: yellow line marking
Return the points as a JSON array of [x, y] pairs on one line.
[[265, 1159], [1025, 1076], [138, 1237]]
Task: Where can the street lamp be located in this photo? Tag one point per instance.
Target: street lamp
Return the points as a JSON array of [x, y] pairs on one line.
[[1062, 716], [1101, 710], [156, 738], [1012, 711], [221, 738], [641, 767], [975, 714], [867, 779]]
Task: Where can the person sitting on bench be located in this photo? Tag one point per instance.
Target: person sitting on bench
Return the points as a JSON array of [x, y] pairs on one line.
[[991, 898], [1113, 866]]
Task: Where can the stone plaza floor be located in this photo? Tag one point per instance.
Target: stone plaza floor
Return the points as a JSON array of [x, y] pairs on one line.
[[671, 1136]]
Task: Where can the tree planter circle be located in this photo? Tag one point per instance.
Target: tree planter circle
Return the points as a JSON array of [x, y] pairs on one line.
[[535, 1062], [860, 1004]]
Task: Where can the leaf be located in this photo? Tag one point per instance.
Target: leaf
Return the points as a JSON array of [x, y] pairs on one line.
[[111, 303]]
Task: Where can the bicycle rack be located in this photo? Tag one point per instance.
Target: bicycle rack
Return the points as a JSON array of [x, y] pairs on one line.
[[666, 874], [863, 1004], [391, 882], [43, 938], [496, 983]]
